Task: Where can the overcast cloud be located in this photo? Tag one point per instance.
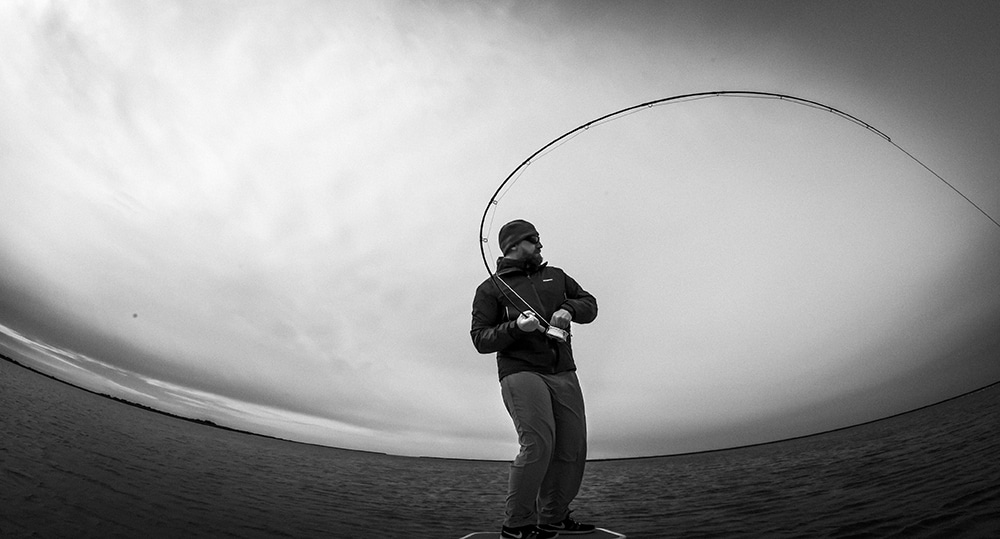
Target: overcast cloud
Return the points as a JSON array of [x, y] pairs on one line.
[[265, 214]]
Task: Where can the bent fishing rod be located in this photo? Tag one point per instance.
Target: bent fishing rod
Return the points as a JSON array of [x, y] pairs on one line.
[[512, 177]]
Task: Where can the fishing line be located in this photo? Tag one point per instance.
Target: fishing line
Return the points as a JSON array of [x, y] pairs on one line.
[[511, 179]]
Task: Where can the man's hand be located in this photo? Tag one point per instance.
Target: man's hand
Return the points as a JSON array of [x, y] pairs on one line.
[[561, 319], [528, 322]]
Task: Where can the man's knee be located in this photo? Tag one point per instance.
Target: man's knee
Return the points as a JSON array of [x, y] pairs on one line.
[[536, 445]]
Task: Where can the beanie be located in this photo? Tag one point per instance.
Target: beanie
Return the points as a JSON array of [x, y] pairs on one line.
[[513, 232]]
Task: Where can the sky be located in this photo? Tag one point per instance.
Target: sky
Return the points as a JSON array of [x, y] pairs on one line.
[[266, 214]]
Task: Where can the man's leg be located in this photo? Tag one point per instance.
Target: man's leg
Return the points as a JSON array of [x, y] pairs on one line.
[[569, 455], [526, 396]]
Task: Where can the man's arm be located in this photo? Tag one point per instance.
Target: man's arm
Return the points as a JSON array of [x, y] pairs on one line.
[[582, 305], [489, 332]]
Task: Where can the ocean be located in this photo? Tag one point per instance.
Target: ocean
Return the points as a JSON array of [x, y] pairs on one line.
[[75, 464]]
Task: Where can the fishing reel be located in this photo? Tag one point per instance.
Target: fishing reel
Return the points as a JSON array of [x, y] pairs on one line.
[[556, 334]]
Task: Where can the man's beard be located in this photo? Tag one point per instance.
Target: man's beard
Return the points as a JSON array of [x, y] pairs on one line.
[[534, 260]]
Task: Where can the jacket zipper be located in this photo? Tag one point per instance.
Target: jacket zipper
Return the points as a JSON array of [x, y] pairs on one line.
[[552, 345]]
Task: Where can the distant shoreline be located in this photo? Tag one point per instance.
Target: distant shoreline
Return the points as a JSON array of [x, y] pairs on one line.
[[208, 423], [204, 422]]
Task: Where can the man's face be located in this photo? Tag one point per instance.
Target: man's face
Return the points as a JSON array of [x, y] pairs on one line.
[[530, 248]]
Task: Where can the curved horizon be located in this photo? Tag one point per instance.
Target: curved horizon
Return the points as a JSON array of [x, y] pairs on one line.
[[211, 424]]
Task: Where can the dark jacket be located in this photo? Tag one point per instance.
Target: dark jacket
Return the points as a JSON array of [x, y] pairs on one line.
[[547, 289]]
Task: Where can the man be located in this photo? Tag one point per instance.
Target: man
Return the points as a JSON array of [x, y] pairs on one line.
[[538, 380]]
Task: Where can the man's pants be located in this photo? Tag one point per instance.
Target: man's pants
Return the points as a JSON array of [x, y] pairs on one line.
[[548, 414]]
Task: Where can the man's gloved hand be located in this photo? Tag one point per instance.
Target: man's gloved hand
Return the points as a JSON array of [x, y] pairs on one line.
[[528, 322], [561, 319]]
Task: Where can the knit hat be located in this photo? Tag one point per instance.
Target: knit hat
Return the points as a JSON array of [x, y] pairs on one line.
[[513, 232]]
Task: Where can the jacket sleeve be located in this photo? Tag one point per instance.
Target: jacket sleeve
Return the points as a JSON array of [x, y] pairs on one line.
[[579, 302], [490, 333]]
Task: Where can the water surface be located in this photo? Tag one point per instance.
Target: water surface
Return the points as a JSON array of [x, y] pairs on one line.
[[75, 464]]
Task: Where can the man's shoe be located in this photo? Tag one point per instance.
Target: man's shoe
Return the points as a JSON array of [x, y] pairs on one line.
[[526, 532], [568, 526]]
